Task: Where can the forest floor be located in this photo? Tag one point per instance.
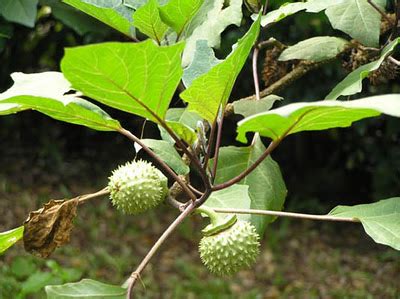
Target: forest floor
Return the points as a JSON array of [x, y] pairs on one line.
[[299, 258]]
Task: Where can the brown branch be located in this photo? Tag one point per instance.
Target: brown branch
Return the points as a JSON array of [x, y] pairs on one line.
[[84, 198]]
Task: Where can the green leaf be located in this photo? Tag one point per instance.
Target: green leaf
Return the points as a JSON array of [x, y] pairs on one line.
[[211, 90], [19, 11], [85, 288], [36, 281], [288, 9], [381, 220], [148, 21], [353, 82], [358, 19], [316, 116], [183, 123], [168, 154], [113, 13], [138, 78], [212, 19], [45, 92], [178, 13], [316, 49], [249, 107], [135, 4], [267, 189], [9, 238], [203, 60], [235, 196]]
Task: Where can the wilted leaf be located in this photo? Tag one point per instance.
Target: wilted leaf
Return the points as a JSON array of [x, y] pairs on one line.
[[49, 227]]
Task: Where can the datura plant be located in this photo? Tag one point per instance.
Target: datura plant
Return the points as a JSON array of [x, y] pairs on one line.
[[169, 52]]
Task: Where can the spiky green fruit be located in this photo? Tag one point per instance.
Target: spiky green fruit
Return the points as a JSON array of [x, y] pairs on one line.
[[136, 187], [231, 250]]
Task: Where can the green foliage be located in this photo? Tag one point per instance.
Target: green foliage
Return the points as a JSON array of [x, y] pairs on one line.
[[45, 92], [209, 92], [315, 116], [353, 82], [86, 288], [148, 21], [247, 107], [316, 49], [381, 220], [266, 194], [116, 74], [9, 238], [19, 11]]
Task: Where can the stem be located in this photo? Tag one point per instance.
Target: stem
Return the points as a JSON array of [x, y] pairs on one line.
[[238, 178], [265, 8], [132, 137], [210, 143], [210, 212], [286, 214], [255, 73], [217, 146], [395, 61], [136, 274], [83, 198]]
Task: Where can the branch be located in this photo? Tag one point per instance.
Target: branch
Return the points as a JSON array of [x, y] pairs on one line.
[[136, 274], [298, 72], [238, 178], [382, 13], [185, 188], [83, 198], [285, 214]]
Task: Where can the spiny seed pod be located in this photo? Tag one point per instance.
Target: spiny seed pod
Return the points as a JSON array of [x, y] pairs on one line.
[[231, 250], [136, 187]]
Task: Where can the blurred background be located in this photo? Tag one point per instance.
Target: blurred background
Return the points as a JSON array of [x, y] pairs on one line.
[[42, 159]]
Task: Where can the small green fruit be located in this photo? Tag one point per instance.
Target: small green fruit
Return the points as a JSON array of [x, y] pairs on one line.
[[231, 250], [136, 187]]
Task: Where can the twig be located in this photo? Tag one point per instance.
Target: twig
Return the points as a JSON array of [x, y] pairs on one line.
[[255, 73], [210, 144], [298, 72], [285, 214], [83, 198], [217, 146], [238, 178], [382, 13], [185, 188], [395, 61], [136, 274]]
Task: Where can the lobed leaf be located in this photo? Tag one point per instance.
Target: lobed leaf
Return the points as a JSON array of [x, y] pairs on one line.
[[381, 220], [211, 90], [267, 188], [316, 116], [138, 78], [45, 92]]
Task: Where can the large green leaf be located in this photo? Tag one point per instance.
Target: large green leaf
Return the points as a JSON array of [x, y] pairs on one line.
[[358, 19], [45, 92], [113, 13], [267, 189], [178, 13], [183, 123], [203, 60], [316, 116], [316, 49], [19, 11], [235, 196], [381, 220], [9, 238], [168, 154], [85, 288], [138, 78], [213, 17], [353, 82], [148, 21], [248, 107], [289, 9], [211, 90]]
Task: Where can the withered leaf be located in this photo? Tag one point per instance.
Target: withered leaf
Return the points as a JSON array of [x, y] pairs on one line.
[[49, 227]]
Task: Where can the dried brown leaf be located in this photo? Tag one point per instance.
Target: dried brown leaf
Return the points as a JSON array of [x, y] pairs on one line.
[[49, 227]]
